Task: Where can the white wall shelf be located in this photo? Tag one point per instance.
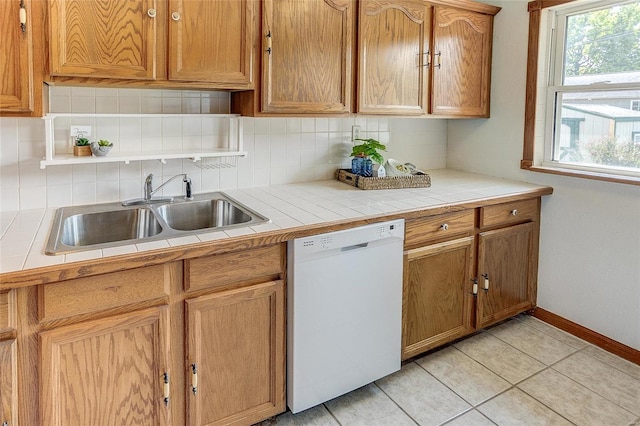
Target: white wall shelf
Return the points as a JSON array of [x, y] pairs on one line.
[[231, 145]]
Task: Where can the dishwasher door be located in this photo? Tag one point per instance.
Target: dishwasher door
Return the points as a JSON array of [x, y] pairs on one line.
[[344, 311]]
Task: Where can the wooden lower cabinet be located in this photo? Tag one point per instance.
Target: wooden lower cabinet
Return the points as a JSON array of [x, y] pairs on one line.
[[441, 302], [8, 383], [106, 372], [235, 352], [507, 268], [437, 300]]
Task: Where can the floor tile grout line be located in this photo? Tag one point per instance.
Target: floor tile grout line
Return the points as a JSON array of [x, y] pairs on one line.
[[331, 414], [549, 334], [587, 387], [396, 403], [547, 367], [512, 386], [586, 344], [531, 356], [473, 406]]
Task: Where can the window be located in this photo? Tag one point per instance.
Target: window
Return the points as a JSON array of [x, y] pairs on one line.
[[590, 95]]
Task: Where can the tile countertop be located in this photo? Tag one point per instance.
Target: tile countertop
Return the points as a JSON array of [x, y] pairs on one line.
[[24, 233]]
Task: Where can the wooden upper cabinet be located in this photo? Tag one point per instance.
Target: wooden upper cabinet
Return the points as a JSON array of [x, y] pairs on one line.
[[393, 43], [307, 49], [212, 41], [107, 38], [106, 372], [461, 53], [21, 59]]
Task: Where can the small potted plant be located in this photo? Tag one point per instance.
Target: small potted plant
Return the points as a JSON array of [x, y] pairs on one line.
[[364, 155], [81, 147], [101, 148]]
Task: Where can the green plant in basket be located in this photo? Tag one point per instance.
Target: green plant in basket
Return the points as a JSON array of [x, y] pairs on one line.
[[369, 148]]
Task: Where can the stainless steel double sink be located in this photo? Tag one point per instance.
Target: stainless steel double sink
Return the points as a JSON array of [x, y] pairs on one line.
[[109, 225]]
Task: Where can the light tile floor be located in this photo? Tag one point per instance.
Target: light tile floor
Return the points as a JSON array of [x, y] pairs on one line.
[[521, 372]]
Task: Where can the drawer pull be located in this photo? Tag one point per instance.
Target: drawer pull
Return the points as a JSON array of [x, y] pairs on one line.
[[514, 212], [151, 13], [444, 227]]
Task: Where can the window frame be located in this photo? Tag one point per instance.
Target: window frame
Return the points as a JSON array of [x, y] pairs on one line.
[[539, 163]]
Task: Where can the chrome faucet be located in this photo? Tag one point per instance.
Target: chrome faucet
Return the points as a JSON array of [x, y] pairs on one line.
[[149, 191]]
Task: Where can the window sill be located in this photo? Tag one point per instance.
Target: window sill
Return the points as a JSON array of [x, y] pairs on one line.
[[607, 177]]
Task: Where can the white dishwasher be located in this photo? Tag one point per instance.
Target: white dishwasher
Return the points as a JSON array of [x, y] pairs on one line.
[[344, 315]]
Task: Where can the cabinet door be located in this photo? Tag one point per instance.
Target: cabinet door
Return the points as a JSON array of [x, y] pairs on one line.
[[236, 353], [16, 51], [106, 372], [8, 383], [461, 53], [437, 299], [393, 44], [212, 41], [508, 258], [107, 38], [307, 55]]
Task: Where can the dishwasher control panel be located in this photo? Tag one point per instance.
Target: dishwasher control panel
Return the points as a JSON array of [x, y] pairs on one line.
[[349, 238]]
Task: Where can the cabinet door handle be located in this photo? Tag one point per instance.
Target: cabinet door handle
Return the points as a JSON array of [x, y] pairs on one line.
[[175, 16], [269, 38], [444, 226], [426, 58], [166, 388], [514, 212], [23, 19], [486, 282], [439, 55], [152, 13], [474, 289], [194, 379]]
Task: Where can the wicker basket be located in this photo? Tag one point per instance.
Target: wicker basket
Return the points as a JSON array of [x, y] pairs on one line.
[[391, 182]]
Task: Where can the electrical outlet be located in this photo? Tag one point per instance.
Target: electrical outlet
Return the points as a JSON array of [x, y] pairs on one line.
[[83, 131], [355, 132]]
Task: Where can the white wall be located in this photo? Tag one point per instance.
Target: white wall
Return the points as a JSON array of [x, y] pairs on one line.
[[280, 150], [590, 230]]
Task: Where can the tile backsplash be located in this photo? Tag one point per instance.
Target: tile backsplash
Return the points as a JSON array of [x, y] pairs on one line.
[[280, 150]]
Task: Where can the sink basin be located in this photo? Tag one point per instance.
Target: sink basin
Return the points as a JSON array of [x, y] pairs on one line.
[[86, 229], [195, 215], [109, 225]]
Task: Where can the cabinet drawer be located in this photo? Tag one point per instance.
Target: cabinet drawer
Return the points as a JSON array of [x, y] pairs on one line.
[[135, 287], [229, 268], [429, 229], [509, 213]]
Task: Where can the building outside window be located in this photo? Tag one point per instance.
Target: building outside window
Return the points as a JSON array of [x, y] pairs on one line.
[[593, 92]]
